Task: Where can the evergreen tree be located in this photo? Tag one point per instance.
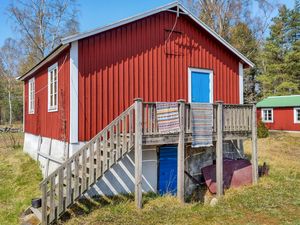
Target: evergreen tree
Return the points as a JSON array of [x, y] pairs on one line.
[[243, 38], [277, 56]]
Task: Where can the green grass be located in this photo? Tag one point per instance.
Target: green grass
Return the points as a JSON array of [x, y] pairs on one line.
[[19, 179], [275, 200]]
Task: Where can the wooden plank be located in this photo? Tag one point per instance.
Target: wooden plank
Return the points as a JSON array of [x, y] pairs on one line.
[[138, 153], [60, 191], [98, 158], [145, 119], [51, 158], [155, 126], [69, 184], [105, 164], [91, 162], [180, 149], [124, 144], [254, 147], [219, 150], [117, 141], [83, 172], [44, 204], [76, 177], [131, 141], [150, 119], [37, 213], [39, 147], [111, 146], [48, 160], [52, 201]]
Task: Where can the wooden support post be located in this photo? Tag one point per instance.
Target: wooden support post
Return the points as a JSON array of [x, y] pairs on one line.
[[180, 155], [254, 147], [138, 152], [219, 150]]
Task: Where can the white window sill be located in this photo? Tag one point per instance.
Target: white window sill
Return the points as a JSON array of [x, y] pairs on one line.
[[52, 110], [267, 121]]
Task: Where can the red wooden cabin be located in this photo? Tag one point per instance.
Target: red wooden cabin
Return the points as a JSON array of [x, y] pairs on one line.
[[280, 112], [91, 78]]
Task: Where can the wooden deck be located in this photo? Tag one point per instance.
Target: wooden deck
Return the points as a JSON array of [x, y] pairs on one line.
[[135, 127]]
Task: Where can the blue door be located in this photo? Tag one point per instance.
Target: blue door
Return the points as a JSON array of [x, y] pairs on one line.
[[167, 174], [200, 84]]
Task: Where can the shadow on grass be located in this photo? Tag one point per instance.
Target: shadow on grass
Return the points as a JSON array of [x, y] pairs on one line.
[[86, 205]]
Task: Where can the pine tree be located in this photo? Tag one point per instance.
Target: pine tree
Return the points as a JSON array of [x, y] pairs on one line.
[[243, 38], [277, 57]]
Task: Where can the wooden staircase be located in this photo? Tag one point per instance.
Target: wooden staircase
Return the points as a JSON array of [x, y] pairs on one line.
[[83, 169], [135, 127]]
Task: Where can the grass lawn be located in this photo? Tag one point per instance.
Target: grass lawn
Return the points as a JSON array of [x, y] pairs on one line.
[[275, 200], [19, 179]]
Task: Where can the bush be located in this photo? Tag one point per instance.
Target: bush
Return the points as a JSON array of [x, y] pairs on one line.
[[262, 130]]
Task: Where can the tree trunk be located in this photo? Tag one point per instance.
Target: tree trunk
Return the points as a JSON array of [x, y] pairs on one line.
[[9, 103]]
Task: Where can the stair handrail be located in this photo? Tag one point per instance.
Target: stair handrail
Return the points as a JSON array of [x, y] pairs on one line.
[[69, 160]]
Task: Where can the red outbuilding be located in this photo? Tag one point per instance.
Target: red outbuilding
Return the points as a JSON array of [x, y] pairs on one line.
[[280, 112]]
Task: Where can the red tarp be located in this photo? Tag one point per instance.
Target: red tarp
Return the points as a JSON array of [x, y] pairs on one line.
[[236, 173]]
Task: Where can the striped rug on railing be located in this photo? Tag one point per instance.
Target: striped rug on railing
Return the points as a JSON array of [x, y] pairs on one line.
[[202, 124], [167, 117]]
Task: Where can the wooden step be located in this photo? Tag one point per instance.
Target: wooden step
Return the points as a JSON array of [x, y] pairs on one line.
[[37, 212]]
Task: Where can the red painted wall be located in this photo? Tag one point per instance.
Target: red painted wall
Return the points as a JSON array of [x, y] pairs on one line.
[[132, 61], [283, 119], [42, 122]]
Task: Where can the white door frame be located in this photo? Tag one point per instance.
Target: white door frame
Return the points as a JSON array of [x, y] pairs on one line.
[[211, 82]]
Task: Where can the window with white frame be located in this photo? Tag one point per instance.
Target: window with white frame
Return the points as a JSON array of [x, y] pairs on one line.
[[31, 95], [53, 88], [267, 115], [296, 115]]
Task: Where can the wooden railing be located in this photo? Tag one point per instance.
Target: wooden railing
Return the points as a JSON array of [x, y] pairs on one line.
[[69, 181], [236, 118], [74, 177]]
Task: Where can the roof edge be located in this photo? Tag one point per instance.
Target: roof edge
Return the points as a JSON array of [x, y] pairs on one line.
[[76, 37], [45, 60], [121, 22]]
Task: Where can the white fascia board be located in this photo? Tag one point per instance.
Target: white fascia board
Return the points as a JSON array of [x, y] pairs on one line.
[[46, 60], [74, 92], [241, 83], [76, 37]]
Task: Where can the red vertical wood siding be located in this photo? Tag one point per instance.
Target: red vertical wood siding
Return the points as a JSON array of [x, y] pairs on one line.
[[42, 122], [135, 60], [283, 119]]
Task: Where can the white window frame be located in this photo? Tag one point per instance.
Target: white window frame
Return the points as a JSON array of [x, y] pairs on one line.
[[211, 82], [53, 95], [31, 95], [263, 118], [295, 115]]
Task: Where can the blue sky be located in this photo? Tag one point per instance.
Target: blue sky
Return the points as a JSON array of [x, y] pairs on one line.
[[96, 13]]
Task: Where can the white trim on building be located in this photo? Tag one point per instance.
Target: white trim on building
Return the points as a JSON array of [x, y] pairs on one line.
[[53, 88], [211, 82], [74, 92], [241, 82], [267, 115], [297, 115], [31, 96]]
